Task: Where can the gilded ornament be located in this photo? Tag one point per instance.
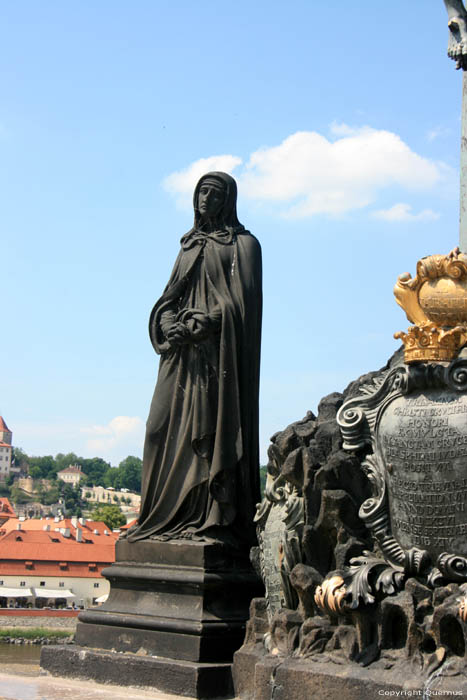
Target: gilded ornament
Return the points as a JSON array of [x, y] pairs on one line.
[[436, 302], [330, 595], [463, 609]]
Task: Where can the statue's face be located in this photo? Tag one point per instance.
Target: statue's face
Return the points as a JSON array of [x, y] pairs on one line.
[[210, 199]]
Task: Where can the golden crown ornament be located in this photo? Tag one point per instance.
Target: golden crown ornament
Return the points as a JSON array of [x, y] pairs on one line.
[[435, 300]]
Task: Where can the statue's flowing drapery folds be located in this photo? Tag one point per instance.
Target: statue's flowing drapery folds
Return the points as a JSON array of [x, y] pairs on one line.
[[201, 463]]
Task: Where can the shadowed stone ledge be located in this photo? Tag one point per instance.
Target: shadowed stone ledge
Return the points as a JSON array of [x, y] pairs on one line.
[[187, 679]]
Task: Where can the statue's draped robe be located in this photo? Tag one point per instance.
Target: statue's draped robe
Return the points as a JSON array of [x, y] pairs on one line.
[[201, 461]]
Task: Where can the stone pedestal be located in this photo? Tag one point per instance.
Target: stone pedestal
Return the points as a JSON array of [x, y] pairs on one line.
[[260, 676], [184, 602]]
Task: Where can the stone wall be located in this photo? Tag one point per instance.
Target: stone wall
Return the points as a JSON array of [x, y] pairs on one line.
[[64, 623]]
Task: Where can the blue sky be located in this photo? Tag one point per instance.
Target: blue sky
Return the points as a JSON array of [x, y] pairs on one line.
[[340, 122]]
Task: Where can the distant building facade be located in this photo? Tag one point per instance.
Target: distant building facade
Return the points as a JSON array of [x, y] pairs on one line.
[[71, 475], [6, 452], [110, 496], [54, 561]]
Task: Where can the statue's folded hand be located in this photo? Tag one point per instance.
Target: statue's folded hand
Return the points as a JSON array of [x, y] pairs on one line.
[[178, 334], [200, 325]]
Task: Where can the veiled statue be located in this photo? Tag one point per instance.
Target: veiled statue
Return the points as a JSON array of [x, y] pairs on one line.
[[201, 460]]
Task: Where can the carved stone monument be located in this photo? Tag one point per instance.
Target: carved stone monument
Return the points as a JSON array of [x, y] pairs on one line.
[[280, 519], [415, 427], [182, 581], [381, 569]]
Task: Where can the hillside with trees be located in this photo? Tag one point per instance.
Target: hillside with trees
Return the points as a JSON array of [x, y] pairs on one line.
[[98, 472], [51, 492]]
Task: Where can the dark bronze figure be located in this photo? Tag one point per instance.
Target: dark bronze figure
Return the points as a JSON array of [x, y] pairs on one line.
[[200, 464]]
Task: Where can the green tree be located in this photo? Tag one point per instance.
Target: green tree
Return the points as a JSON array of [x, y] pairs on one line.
[[112, 478], [5, 490], [63, 461], [48, 498], [112, 516], [18, 496], [95, 470], [20, 458], [130, 469], [71, 497], [46, 465], [35, 472], [126, 476]]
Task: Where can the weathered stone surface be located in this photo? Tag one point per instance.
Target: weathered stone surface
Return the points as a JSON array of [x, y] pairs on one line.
[[269, 678], [193, 611], [344, 639], [305, 579], [252, 673], [309, 456], [272, 535], [258, 624], [314, 636], [396, 617], [63, 623], [418, 590], [175, 614], [448, 629], [407, 632], [285, 628], [195, 680], [423, 440]]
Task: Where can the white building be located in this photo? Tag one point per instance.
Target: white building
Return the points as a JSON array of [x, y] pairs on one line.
[[54, 562], [110, 496], [6, 452], [71, 475]]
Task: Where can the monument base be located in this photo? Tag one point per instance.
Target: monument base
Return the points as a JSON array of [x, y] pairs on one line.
[[261, 676], [178, 609], [184, 678]]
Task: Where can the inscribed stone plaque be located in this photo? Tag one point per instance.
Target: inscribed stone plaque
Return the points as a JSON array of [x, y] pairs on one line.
[[272, 554], [422, 439]]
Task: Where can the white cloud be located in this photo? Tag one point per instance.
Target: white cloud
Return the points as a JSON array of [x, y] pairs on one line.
[[340, 129], [117, 432], [403, 212], [309, 174], [113, 441], [325, 177], [438, 132], [182, 182]]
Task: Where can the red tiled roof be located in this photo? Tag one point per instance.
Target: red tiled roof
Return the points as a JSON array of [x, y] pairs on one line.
[[3, 425], [5, 444], [71, 470], [88, 528], [99, 526], [6, 509], [38, 546], [46, 551], [128, 525]]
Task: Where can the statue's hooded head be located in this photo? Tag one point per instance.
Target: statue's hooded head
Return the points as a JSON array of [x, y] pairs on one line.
[[226, 217]]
